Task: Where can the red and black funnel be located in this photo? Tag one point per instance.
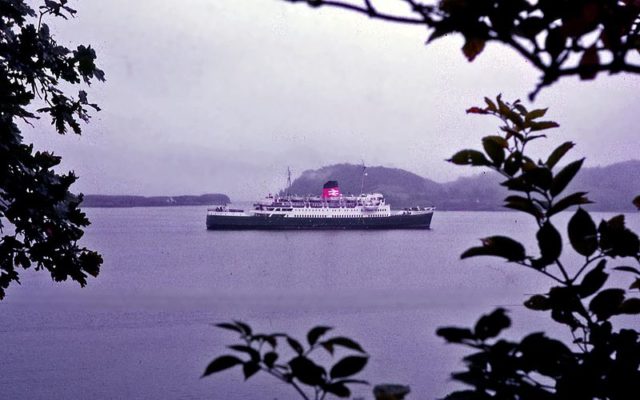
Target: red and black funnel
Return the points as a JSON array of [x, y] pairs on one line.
[[330, 189]]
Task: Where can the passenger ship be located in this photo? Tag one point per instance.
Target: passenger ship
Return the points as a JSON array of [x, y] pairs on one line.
[[332, 210]]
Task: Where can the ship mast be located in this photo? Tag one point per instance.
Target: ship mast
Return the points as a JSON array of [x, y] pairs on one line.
[[364, 168], [288, 181]]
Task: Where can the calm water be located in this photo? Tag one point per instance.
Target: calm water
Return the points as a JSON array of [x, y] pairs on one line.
[[142, 329]]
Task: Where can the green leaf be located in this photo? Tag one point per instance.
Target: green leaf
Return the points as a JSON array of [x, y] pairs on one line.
[[472, 48], [249, 369], [539, 176], [549, 242], [348, 366], [573, 199], [583, 233], [523, 204], [636, 202], [538, 302], [494, 147], [630, 306], [246, 329], [607, 303], [564, 177], [513, 163], [499, 246], [229, 326], [343, 342], [534, 114], [270, 359], [469, 157], [543, 125], [295, 345], [594, 280], [490, 104], [220, 364], [306, 371], [558, 153], [315, 333], [628, 269], [489, 326], [455, 335], [338, 389]]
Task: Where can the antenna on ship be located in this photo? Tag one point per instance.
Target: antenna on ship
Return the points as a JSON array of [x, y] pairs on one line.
[[364, 168], [288, 181]]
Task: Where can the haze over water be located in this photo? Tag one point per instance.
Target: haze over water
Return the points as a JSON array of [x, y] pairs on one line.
[[141, 330]]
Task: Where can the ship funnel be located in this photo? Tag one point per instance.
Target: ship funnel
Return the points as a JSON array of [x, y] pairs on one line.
[[330, 189]]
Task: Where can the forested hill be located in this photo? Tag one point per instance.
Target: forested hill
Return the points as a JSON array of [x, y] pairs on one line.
[[611, 188]]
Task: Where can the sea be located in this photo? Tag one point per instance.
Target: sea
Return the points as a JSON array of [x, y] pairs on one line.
[[143, 329]]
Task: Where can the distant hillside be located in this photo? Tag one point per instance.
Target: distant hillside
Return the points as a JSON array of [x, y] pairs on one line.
[[611, 187], [99, 200]]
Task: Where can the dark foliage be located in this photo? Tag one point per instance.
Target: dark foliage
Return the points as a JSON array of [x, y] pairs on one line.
[[560, 38], [45, 221], [602, 362], [263, 352]]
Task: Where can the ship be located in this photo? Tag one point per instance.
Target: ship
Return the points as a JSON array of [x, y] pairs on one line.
[[331, 210]]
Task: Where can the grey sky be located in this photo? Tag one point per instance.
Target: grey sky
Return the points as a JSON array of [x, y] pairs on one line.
[[223, 95]]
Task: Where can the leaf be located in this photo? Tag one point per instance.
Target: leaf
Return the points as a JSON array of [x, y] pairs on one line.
[[246, 329], [564, 177], [494, 147], [455, 335], [606, 303], [523, 204], [538, 302], [270, 359], [538, 176], [558, 153], [588, 67], [315, 333], [249, 369], [342, 342], [306, 371], [472, 48], [499, 246], [543, 125], [338, 389], [534, 114], [549, 242], [220, 364], [636, 202], [295, 345], [635, 284], [348, 366], [469, 157], [594, 280], [476, 110], [513, 163], [573, 199], [583, 233], [628, 269], [491, 106], [229, 326], [630, 306], [491, 325]]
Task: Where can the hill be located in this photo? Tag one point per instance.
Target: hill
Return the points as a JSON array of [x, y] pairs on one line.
[[611, 187]]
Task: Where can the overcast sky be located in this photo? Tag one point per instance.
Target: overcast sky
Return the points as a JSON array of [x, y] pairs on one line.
[[222, 95]]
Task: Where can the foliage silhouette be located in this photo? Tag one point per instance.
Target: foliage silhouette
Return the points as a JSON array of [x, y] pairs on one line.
[[34, 199], [309, 379], [559, 38], [602, 362]]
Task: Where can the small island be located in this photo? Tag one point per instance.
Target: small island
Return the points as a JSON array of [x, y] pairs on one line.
[[100, 200]]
